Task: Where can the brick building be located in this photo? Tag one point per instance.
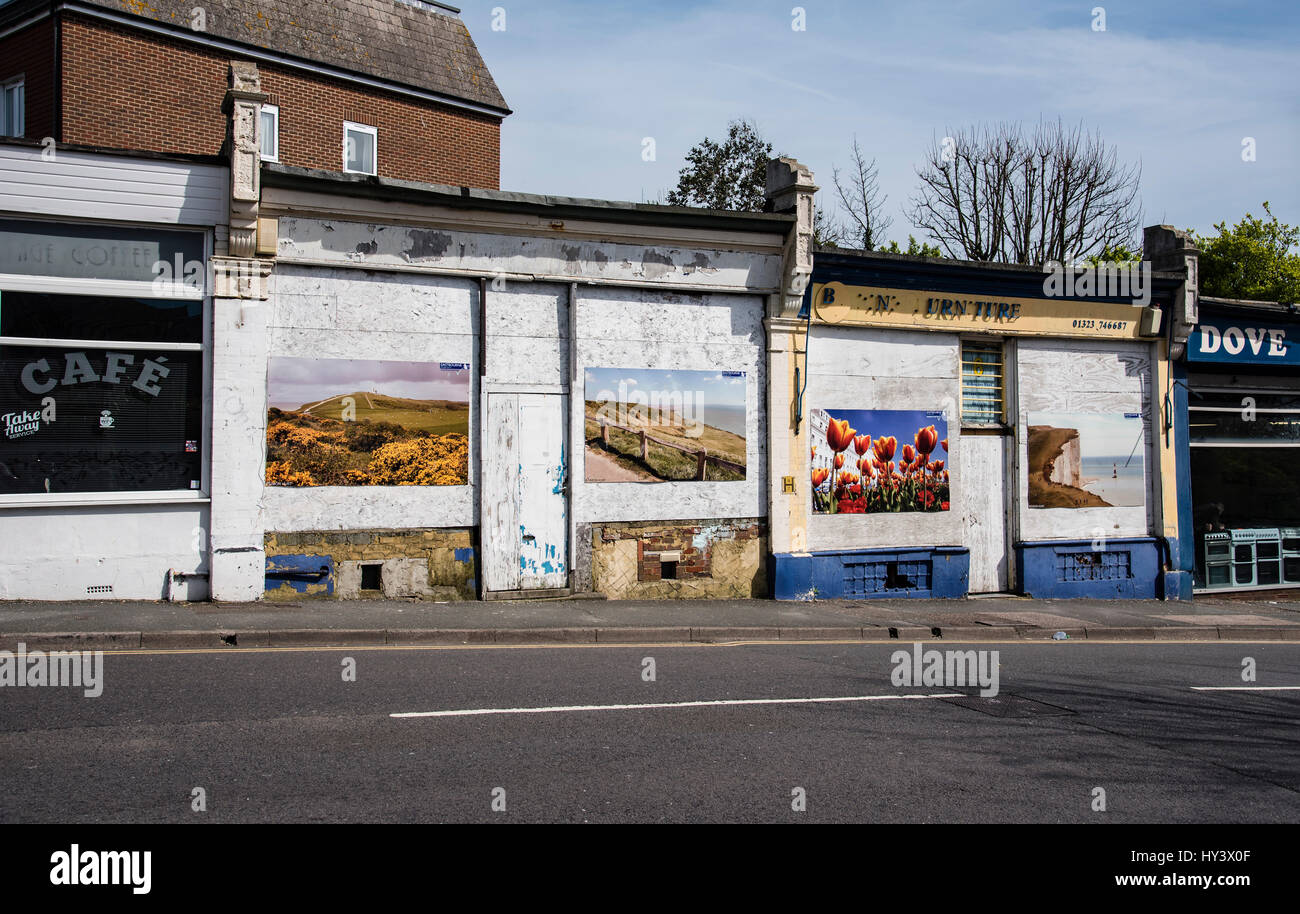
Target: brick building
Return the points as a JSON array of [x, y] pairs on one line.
[[393, 88]]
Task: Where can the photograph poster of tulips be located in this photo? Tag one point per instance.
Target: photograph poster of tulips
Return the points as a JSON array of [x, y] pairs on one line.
[[879, 461], [1086, 460], [352, 422], [661, 425]]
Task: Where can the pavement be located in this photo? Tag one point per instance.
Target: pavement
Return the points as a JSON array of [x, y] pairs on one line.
[[1259, 616]]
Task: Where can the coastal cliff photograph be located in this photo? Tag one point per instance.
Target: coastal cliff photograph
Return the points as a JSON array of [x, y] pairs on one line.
[[1085, 460]]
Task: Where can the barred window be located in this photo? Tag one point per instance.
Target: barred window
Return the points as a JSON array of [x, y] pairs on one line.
[[981, 383]]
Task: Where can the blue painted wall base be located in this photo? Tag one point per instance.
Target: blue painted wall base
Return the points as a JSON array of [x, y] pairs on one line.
[[1177, 585], [927, 572], [1127, 568], [309, 575]]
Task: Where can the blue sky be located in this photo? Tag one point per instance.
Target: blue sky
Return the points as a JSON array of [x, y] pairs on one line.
[[1175, 86], [716, 389], [1100, 435]]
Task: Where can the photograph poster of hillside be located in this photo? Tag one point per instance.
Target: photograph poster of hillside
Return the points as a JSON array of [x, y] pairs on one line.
[[660, 425], [353, 422], [1086, 460]]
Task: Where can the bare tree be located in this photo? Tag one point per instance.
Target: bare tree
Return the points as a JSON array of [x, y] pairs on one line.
[[999, 194], [862, 201]]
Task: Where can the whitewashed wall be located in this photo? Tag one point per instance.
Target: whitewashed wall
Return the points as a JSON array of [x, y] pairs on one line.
[[1081, 376], [528, 333], [631, 328], [863, 368], [327, 313], [57, 553]]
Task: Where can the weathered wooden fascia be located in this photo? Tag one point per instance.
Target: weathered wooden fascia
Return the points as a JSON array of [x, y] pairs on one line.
[[279, 201], [391, 247]]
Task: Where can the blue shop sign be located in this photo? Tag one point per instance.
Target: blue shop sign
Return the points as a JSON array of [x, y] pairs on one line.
[[1241, 342]]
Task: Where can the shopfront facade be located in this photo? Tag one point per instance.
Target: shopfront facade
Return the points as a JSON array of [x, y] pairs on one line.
[[105, 354], [1239, 386], [456, 395], [966, 429]]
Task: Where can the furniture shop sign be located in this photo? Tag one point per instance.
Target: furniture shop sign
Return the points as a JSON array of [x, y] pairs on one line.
[[1221, 340]]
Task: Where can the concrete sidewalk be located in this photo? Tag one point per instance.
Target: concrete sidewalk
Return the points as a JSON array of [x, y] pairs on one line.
[[137, 625]]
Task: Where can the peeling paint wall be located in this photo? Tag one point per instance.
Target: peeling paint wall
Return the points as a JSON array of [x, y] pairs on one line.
[[351, 289], [554, 258], [357, 314], [1080, 376], [864, 368], [635, 328]]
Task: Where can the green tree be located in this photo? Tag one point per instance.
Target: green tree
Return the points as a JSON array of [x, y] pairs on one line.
[[914, 248], [731, 175], [1118, 253], [1252, 260]]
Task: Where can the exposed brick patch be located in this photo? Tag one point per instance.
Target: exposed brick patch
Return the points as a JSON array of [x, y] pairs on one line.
[[716, 558]]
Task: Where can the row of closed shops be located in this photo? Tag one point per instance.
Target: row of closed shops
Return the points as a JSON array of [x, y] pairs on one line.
[[354, 388]]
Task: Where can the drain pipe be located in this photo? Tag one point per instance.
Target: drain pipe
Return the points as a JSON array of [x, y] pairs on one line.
[[476, 530]]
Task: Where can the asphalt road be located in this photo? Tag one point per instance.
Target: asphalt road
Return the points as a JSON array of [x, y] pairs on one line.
[[279, 736]]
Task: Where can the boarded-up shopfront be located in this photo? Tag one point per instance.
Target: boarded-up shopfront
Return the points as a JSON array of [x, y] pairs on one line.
[[965, 428], [472, 393]]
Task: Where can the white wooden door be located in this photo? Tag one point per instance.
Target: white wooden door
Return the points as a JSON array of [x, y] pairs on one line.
[[525, 518], [983, 481]]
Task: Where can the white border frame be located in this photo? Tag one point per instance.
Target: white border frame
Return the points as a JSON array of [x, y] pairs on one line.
[[273, 110], [19, 80], [373, 133]]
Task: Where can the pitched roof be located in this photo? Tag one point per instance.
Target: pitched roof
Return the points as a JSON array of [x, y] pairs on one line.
[[409, 42]]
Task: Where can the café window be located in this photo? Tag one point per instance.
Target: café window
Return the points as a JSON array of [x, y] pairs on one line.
[[100, 391]]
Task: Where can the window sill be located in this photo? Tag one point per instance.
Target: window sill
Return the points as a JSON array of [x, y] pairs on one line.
[[102, 499], [987, 429]]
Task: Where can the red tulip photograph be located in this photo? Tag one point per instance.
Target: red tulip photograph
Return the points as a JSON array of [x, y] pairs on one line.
[[893, 478]]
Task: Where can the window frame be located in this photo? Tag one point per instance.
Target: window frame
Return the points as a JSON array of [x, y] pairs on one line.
[[274, 111], [108, 289], [7, 129], [987, 344], [373, 133]]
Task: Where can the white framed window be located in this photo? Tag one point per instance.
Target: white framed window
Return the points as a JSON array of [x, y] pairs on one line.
[[12, 104], [269, 133], [360, 148]]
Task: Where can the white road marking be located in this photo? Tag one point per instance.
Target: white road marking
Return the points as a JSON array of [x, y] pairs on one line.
[[1246, 688], [561, 709]]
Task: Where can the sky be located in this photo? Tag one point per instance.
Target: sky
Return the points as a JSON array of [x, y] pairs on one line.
[[294, 383], [1176, 87], [1100, 435], [715, 388]]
